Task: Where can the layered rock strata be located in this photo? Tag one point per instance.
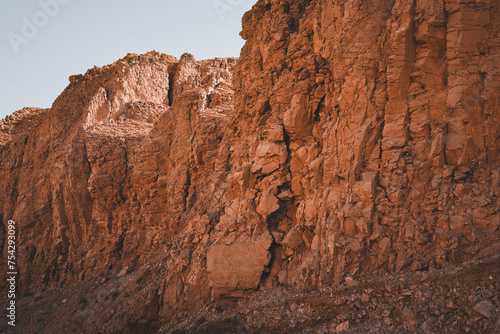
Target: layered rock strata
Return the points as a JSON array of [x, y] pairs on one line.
[[351, 139]]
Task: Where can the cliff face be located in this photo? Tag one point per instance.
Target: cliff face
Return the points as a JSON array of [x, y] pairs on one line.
[[373, 142], [104, 180], [362, 137]]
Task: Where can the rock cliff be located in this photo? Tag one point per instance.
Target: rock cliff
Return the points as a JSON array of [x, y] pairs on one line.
[[352, 139], [371, 136]]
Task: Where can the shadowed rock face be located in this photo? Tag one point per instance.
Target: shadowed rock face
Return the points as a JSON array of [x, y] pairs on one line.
[[362, 137]]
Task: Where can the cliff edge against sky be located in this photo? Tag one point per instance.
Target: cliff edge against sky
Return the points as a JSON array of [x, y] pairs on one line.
[[351, 140]]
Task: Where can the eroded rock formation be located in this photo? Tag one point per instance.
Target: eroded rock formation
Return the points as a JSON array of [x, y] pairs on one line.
[[370, 134], [361, 138]]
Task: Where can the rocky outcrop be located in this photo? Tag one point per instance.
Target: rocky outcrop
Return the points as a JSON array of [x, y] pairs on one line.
[[370, 133], [361, 139], [127, 156]]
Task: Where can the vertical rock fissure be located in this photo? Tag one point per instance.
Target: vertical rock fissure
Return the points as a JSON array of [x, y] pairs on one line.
[[171, 83]]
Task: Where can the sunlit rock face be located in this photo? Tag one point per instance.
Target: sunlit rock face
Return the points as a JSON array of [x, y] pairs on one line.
[[370, 134], [351, 139]]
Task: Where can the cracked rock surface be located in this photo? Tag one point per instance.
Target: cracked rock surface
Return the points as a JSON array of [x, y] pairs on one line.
[[352, 142]]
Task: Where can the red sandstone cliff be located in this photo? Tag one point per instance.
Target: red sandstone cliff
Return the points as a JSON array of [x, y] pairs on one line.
[[362, 138], [371, 128]]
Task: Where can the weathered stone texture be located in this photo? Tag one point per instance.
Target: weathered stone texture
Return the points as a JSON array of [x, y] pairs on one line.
[[390, 117], [362, 137]]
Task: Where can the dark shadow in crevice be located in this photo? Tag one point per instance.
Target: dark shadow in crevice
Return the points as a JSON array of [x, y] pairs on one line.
[[267, 271]]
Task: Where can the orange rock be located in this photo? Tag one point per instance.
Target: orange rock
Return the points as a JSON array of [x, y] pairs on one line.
[[373, 124]]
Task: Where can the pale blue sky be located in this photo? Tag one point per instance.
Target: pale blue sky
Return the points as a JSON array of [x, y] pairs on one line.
[[71, 36]]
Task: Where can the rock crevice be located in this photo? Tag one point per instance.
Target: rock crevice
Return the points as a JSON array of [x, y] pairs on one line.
[[351, 139]]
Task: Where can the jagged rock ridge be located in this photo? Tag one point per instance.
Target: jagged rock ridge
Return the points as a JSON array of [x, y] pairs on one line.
[[361, 138]]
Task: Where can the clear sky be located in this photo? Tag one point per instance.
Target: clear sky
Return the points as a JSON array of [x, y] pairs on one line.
[[43, 42]]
